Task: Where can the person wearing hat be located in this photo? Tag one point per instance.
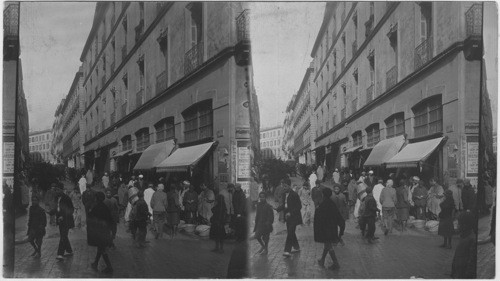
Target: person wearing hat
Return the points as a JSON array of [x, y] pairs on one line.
[[99, 232], [402, 204], [419, 196], [240, 212], [445, 228], [141, 183], [370, 180], [113, 207], [65, 221], [291, 206], [369, 216], [388, 201], [264, 219], [206, 201], [190, 202], [36, 226], [352, 197], [360, 195]]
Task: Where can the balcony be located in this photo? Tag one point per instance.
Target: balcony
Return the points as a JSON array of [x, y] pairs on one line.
[[243, 26], [423, 53], [112, 118], [342, 115], [139, 30], [124, 52], [193, 58], [11, 20], [124, 109], [354, 105], [103, 81], [161, 82], [391, 77], [334, 75], [369, 94], [112, 67], [139, 98], [473, 45], [342, 64], [354, 48]]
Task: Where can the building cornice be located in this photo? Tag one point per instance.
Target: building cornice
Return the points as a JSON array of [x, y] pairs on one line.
[[453, 49], [329, 9]]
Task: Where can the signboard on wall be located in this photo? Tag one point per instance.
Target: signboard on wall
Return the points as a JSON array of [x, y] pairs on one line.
[[472, 158], [8, 157], [243, 165]]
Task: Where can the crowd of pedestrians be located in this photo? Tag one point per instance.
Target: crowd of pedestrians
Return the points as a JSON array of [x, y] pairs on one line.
[[366, 199]]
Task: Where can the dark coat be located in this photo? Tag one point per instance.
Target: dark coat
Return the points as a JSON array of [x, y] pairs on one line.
[[99, 224], [113, 207], [293, 208], [239, 203], [89, 199], [446, 228], [370, 207], [371, 183], [37, 221], [65, 213], [341, 203], [218, 221], [141, 211], [465, 258], [327, 220], [264, 218], [468, 198], [193, 197]]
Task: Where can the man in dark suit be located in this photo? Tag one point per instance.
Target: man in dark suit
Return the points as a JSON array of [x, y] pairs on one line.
[[64, 216], [291, 207]]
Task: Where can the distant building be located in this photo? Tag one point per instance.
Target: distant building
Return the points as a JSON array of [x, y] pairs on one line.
[[271, 145], [40, 144]]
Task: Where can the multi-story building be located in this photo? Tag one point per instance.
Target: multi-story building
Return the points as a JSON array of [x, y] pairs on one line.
[[40, 143], [389, 74], [271, 145], [15, 112], [56, 148], [300, 127], [71, 123], [157, 74], [288, 139]]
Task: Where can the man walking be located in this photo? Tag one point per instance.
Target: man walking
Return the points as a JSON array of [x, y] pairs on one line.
[[112, 205], [264, 219], [388, 201], [99, 232], [291, 207], [159, 205], [369, 215], [82, 184], [317, 194], [64, 217], [141, 218]]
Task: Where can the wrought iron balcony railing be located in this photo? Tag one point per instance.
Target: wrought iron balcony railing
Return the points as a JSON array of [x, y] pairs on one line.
[[139, 98], [369, 94], [193, 58], [391, 77], [423, 53], [243, 26], [161, 82], [11, 20], [473, 20]]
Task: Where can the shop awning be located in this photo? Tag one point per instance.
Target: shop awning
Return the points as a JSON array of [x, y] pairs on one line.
[[414, 153], [122, 153], [384, 150], [154, 155], [352, 149], [183, 158]]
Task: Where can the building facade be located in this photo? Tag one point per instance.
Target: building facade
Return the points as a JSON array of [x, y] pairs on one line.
[[15, 111], [271, 143], [40, 144], [389, 69], [155, 72], [57, 134]]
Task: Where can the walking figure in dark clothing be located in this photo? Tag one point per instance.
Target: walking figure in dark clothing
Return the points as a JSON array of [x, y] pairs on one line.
[[218, 221], [99, 231], [291, 206], [36, 226], [369, 216], [65, 220], [329, 226], [264, 219]]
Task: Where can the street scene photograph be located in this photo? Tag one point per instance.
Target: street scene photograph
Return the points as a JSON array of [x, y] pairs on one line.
[[127, 139], [377, 140]]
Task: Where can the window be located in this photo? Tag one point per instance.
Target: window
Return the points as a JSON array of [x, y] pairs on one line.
[[428, 117], [165, 129], [142, 137], [372, 135], [127, 143], [196, 22], [198, 121], [425, 20], [357, 139], [395, 125]]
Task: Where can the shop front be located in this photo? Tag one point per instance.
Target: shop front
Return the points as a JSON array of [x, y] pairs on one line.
[[382, 152]]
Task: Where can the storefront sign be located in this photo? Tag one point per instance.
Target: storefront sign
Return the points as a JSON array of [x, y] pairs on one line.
[[472, 158], [8, 157]]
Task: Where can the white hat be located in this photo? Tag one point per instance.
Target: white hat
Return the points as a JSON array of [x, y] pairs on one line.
[[141, 176], [370, 172], [186, 182], [416, 178]]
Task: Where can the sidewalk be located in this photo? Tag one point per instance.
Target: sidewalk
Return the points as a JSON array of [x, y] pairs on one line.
[[185, 256]]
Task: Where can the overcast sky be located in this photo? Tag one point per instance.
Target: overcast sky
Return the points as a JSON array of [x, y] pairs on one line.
[[53, 35]]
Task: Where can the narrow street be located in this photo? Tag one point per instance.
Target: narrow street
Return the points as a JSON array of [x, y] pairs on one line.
[[398, 255], [185, 256]]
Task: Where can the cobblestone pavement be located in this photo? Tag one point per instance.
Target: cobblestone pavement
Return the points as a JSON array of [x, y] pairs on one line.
[[185, 256], [398, 255]]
